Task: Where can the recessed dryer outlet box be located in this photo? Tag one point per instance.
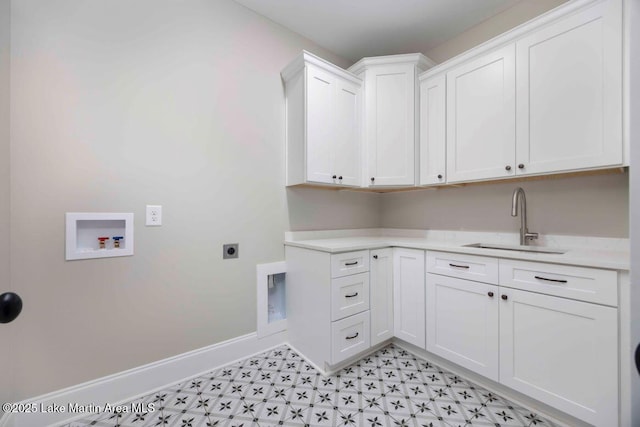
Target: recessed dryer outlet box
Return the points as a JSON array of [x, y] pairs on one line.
[[230, 250], [98, 235]]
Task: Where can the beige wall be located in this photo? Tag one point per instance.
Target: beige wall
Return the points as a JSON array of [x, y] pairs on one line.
[[590, 205], [318, 209], [6, 331], [521, 12], [120, 104]]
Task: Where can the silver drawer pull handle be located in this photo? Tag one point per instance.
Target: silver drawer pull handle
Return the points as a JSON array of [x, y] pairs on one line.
[[351, 263], [458, 266], [353, 337], [351, 296], [550, 280]]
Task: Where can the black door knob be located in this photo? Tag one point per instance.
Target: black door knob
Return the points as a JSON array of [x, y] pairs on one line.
[[521, 166], [375, 257], [439, 176], [340, 177], [372, 179], [10, 307], [508, 167], [490, 294], [504, 297]]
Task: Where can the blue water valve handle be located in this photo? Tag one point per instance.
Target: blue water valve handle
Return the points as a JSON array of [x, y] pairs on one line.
[[116, 241]]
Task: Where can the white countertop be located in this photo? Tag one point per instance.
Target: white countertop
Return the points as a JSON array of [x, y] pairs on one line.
[[583, 251]]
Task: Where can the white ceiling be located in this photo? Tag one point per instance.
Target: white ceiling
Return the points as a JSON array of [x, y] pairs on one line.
[[355, 29]]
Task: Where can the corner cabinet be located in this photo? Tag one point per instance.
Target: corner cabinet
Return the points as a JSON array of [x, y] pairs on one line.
[[409, 295], [323, 123], [381, 284], [390, 117]]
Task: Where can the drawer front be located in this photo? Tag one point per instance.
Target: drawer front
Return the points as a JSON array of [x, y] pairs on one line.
[[349, 337], [579, 283], [469, 267], [349, 295], [349, 263]]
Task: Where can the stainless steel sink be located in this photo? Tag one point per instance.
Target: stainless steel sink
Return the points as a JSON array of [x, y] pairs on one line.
[[536, 249]]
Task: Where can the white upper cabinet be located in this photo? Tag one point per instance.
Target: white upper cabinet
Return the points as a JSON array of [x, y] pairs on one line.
[[481, 117], [433, 130], [390, 117], [546, 97], [570, 93], [323, 123]]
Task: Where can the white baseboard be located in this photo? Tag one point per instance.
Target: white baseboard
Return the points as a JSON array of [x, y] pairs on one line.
[[143, 380]]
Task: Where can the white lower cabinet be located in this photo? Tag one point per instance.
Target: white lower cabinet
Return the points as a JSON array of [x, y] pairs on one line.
[[462, 323], [561, 352], [409, 296], [549, 331], [381, 291], [328, 317], [349, 336]]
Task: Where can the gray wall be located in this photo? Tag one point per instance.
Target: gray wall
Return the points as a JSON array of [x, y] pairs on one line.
[[589, 205], [521, 12], [120, 104], [6, 383]]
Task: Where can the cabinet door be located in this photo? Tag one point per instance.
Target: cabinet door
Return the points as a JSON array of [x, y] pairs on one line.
[[408, 296], [320, 141], [433, 130], [481, 117], [349, 337], [381, 291], [570, 93], [561, 352], [390, 124], [462, 323], [346, 138]]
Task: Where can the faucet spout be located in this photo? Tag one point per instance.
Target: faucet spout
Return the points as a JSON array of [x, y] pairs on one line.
[[519, 203]]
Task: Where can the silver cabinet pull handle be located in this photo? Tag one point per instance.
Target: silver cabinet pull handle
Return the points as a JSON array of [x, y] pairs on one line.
[[351, 263], [351, 296], [550, 280], [353, 337], [458, 266]]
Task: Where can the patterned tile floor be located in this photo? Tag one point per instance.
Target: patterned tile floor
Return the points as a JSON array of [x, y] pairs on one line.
[[389, 388]]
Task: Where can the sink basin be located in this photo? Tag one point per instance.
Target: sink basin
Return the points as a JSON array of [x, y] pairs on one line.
[[535, 249]]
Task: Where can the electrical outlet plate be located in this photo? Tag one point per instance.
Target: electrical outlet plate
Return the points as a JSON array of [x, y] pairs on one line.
[[230, 250], [154, 215]]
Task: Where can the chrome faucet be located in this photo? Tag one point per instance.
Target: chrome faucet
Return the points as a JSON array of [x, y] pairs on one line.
[[519, 199]]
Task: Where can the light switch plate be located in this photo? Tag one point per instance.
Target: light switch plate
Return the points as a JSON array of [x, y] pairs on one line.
[[154, 215]]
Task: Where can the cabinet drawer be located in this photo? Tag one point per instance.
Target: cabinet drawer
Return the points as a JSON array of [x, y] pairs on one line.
[[579, 283], [349, 337], [349, 263], [349, 295], [470, 267]]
